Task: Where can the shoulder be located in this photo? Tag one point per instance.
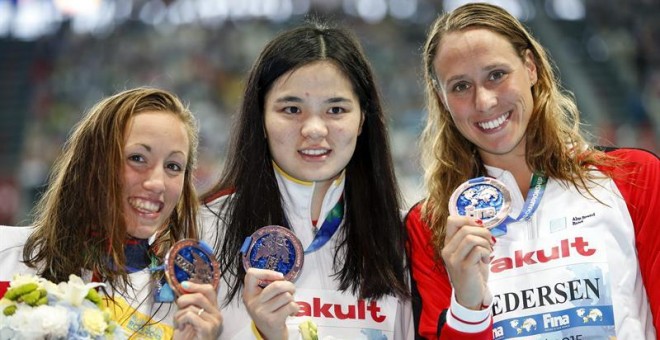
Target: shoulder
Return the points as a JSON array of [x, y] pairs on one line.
[[636, 174], [214, 196], [13, 236], [639, 156], [415, 212], [415, 223], [633, 167], [11, 252], [215, 204], [213, 213]]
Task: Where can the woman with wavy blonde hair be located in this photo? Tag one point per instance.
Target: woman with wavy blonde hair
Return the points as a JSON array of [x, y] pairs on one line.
[[119, 196], [496, 109]]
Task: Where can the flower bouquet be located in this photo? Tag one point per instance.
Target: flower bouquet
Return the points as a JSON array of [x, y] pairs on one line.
[[35, 308], [308, 330]]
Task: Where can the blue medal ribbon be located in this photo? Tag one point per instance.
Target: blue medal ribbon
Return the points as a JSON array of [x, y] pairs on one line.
[[534, 195], [136, 252], [329, 227], [139, 256]]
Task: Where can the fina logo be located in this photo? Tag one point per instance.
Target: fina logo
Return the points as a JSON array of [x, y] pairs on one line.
[[594, 314], [478, 199], [528, 325]]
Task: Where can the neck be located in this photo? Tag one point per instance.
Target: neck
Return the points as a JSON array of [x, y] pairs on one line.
[[514, 163]]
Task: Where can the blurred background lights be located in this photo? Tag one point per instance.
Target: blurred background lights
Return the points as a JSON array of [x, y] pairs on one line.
[[566, 9], [402, 9], [58, 57], [372, 10], [77, 7]]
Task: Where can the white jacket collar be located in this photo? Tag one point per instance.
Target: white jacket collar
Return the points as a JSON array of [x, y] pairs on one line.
[[297, 196]]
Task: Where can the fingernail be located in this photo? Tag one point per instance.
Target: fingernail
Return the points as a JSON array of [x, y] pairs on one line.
[[185, 284], [479, 222], [493, 240]]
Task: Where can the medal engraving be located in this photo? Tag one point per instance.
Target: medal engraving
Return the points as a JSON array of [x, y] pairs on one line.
[[188, 260], [481, 198], [275, 248]]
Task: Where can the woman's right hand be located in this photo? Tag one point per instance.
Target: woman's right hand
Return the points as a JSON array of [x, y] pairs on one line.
[[466, 254], [269, 306]]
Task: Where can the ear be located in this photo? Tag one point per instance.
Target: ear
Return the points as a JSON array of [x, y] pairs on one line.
[[530, 65]]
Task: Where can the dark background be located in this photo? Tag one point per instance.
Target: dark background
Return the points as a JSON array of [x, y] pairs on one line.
[[59, 57]]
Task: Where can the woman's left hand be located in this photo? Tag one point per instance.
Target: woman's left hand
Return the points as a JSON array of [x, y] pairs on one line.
[[198, 316]]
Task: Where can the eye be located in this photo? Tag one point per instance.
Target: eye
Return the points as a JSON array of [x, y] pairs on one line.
[[136, 158], [336, 110], [460, 87], [292, 109], [174, 167], [496, 75]]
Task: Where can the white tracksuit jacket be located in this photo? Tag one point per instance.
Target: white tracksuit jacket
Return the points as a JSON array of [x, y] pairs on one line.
[[337, 315]]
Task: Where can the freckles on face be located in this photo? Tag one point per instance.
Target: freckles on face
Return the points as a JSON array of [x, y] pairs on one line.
[[155, 157], [486, 86], [312, 118]]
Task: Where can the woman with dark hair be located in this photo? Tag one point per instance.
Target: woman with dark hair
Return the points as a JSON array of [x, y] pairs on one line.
[[310, 152], [119, 196], [576, 255]]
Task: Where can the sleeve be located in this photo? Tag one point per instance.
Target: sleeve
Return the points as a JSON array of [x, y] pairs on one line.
[[11, 254], [638, 180], [433, 293]]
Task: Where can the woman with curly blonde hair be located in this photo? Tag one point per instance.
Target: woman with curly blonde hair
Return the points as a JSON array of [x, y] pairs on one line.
[[576, 253]]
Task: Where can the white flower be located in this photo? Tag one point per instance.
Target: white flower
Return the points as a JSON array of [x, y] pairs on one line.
[[74, 291], [53, 320], [94, 321], [23, 321], [67, 314]]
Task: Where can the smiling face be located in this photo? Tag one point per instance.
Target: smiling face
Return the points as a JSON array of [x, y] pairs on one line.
[[155, 156], [486, 86], [312, 119]]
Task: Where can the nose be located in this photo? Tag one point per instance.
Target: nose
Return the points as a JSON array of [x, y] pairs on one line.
[[485, 99], [155, 181], [314, 127]]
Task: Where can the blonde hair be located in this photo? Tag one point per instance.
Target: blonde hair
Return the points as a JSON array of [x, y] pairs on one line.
[[553, 132]]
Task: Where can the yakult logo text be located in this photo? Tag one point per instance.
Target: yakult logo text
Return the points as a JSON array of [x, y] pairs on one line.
[[357, 311], [565, 248]]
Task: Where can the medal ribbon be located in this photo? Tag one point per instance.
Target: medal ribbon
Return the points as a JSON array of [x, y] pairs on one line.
[[139, 256], [328, 228], [534, 195], [136, 252]]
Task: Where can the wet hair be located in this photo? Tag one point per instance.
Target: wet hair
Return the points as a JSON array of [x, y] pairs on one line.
[[372, 223], [79, 221], [553, 133]]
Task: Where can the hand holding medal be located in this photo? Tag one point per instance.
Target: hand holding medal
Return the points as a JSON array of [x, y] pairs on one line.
[[190, 267], [486, 200]]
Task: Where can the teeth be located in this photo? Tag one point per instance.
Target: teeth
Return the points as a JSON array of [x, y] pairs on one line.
[[315, 152], [489, 125], [144, 206]]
